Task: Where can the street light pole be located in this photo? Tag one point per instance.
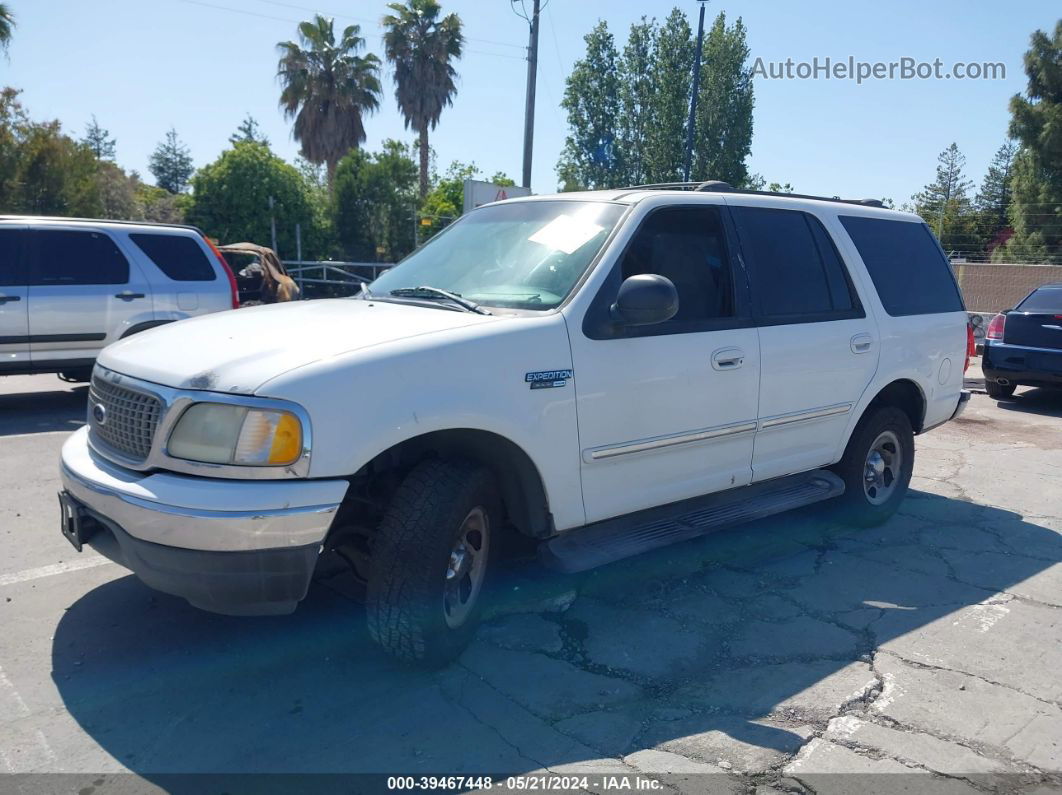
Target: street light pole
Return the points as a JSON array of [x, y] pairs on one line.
[[693, 99], [529, 108]]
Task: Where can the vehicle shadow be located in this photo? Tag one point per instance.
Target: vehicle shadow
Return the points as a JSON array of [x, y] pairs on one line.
[[41, 412], [721, 635], [1043, 402]]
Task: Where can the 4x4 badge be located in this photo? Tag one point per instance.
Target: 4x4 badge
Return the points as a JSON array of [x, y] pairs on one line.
[[548, 379]]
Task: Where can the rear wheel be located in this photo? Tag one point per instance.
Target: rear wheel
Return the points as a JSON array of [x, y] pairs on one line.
[[876, 467], [999, 391], [431, 559]]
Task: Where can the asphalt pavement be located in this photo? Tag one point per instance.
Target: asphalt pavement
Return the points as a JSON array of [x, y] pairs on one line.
[[788, 654]]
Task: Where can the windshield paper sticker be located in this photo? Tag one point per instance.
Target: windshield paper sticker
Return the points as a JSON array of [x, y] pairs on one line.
[[566, 233], [548, 379]]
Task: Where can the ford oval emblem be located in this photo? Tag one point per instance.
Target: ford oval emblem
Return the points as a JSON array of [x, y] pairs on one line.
[[99, 414]]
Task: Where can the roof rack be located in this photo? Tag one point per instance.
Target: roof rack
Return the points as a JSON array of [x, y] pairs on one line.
[[32, 218], [718, 186]]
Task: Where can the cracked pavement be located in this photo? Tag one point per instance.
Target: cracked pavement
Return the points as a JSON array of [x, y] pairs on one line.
[[787, 655]]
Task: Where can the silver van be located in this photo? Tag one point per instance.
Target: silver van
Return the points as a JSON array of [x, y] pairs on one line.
[[69, 287]]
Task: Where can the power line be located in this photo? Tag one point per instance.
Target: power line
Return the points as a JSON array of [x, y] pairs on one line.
[[376, 21]]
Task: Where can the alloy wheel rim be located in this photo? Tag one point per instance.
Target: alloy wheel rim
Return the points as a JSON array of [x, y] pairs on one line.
[[881, 470], [466, 568]]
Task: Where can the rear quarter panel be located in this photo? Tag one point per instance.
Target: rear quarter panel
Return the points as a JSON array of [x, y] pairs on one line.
[[177, 300], [928, 350]]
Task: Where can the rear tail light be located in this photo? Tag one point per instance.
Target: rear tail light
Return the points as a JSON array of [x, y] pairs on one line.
[[971, 347], [228, 272], [995, 328]]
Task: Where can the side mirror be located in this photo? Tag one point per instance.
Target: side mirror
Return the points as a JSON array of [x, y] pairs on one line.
[[645, 299]]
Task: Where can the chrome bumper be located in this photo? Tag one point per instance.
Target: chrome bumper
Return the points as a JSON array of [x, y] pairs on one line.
[[201, 513]]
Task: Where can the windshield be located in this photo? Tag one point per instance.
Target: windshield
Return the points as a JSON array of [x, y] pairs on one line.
[[524, 255]]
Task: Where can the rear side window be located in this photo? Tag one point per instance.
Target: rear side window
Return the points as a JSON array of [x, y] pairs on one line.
[[797, 274], [178, 256], [75, 257], [909, 270], [1043, 300], [13, 257]]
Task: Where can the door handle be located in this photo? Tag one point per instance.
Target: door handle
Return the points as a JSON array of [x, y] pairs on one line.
[[128, 296], [5, 298], [728, 359], [862, 343]]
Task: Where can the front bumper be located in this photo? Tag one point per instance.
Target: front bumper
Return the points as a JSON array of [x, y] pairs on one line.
[[228, 546]]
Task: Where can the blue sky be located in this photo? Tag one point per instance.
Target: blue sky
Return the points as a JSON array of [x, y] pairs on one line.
[[201, 65]]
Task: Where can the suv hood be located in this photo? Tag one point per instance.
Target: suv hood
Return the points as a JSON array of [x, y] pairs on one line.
[[239, 350]]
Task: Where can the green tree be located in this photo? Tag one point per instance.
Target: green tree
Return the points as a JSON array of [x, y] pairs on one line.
[[671, 77], [445, 201], [230, 200], [422, 48], [637, 90], [171, 164], [591, 99], [158, 205], [723, 132], [945, 202], [375, 203], [1036, 122], [249, 130], [116, 192], [328, 89], [994, 197], [7, 26], [99, 140]]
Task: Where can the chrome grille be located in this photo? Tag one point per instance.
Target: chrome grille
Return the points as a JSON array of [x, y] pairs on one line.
[[129, 418]]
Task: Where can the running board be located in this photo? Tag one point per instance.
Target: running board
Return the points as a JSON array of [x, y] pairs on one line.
[[615, 539]]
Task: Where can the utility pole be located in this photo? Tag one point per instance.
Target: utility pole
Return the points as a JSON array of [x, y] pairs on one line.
[[693, 99], [273, 226], [529, 108]]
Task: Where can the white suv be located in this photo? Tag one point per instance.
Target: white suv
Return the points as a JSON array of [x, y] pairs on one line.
[[69, 287], [604, 372]]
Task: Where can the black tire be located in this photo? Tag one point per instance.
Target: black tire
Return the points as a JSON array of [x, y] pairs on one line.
[[999, 391], [411, 556], [856, 506]]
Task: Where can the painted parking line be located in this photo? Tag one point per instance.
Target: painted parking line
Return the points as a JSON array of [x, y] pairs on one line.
[[51, 570]]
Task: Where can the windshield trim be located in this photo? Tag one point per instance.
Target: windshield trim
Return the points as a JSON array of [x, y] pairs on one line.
[[576, 287]]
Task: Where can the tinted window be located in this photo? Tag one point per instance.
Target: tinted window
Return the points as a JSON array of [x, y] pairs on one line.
[[1047, 300], [12, 257], [687, 245], [796, 271], [177, 256], [69, 257], [909, 270]]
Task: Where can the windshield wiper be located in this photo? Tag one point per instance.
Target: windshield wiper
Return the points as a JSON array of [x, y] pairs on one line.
[[426, 291]]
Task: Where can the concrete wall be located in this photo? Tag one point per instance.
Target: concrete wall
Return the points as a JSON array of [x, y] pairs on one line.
[[991, 288]]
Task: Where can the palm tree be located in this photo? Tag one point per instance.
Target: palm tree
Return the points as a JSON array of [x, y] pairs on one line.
[[422, 49], [7, 24], [327, 89]]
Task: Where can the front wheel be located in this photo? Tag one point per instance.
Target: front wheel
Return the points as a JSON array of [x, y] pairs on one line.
[[431, 559], [876, 467]]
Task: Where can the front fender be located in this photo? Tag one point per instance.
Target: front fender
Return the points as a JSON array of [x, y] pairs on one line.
[[364, 403]]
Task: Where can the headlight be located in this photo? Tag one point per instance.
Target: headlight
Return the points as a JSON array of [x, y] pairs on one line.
[[219, 433]]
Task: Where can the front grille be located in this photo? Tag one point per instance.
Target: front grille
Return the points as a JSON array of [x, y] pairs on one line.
[[129, 418]]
